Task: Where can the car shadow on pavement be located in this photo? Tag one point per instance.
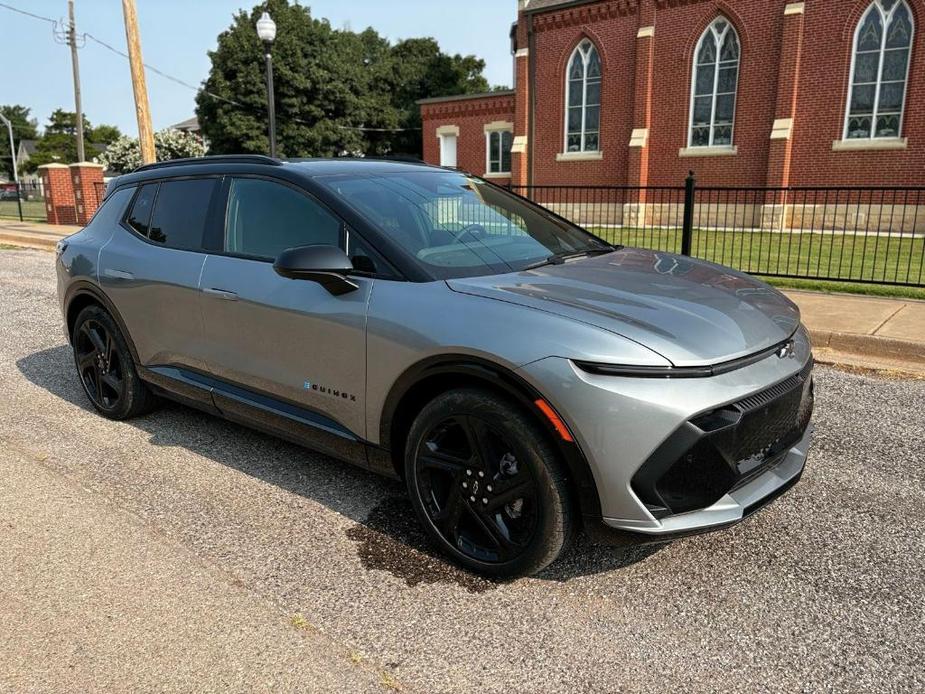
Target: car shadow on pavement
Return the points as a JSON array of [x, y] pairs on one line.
[[388, 535]]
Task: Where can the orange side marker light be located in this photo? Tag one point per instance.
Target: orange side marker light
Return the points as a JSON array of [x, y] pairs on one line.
[[554, 419]]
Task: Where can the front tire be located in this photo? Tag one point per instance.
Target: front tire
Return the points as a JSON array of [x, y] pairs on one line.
[[487, 484], [105, 367]]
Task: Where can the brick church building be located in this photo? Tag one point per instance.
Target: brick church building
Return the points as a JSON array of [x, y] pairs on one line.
[[744, 92]]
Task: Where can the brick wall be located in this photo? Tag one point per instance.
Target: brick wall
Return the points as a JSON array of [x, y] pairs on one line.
[[470, 115], [795, 64]]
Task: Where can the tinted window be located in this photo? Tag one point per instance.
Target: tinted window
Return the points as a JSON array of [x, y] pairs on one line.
[[110, 212], [140, 215], [266, 218], [180, 213]]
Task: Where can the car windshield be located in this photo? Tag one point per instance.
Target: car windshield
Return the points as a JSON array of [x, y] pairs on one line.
[[459, 226]]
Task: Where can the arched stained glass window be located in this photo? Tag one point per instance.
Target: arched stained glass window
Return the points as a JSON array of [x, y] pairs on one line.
[[583, 100], [880, 69], [715, 79]]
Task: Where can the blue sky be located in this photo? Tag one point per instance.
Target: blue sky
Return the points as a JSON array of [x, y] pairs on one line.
[[176, 34]]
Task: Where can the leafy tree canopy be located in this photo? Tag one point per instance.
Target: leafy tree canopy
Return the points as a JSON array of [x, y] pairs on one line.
[[24, 128], [124, 153], [58, 143], [337, 92]]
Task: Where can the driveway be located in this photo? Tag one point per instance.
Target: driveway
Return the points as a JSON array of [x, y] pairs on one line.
[[217, 558]]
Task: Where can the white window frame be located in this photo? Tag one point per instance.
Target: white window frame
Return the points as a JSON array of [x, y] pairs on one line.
[[710, 32], [500, 128], [445, 132], [886, 18], [578, 52]]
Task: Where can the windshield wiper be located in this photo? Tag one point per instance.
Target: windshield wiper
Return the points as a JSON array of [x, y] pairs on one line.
[[560, 258]]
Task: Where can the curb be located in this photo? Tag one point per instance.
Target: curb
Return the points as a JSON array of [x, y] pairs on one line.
[[869, 345], [25, 240]]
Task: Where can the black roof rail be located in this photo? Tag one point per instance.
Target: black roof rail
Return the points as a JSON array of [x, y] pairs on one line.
[[214, 159]]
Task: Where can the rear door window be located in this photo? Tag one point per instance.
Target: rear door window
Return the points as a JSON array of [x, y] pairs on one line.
[[140, 216], [181, 212]]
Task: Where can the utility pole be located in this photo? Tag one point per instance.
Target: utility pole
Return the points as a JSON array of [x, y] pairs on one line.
[[139, 86], [75, 65]]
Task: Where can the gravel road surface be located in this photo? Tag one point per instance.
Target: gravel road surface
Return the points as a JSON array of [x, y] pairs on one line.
[[822, 591]]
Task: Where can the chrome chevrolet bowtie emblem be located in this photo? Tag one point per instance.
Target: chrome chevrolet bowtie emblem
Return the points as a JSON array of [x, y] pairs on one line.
[[786, 350]]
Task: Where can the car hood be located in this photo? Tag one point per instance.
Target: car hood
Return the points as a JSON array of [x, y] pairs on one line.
[[690, 311]]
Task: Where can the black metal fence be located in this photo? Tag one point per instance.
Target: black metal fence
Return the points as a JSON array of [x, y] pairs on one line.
[[861, 234], [26, 201]]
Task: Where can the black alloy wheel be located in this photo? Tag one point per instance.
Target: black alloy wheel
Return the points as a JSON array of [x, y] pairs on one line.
[[105, 366], [100, 365], [487, 483], [477, 493]]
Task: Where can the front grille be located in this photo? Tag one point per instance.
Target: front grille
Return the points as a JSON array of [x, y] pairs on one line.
[[722, 450]]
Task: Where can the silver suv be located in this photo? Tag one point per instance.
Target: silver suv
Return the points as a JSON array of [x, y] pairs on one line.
[[524, 377]]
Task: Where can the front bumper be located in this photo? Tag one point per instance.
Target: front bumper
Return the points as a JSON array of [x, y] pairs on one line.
[[662, 463]]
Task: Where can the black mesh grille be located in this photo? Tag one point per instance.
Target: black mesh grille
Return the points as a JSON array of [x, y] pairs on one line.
[[725, 449]]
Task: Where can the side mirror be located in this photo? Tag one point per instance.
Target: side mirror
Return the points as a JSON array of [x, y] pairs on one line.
[[326, 265]]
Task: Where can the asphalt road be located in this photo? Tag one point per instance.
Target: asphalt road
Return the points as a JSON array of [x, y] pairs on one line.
[[822, 591]]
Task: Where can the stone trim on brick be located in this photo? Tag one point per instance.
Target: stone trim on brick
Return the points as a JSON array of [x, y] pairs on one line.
[[448, 130], [782, 129], [867, 145], [498, 126], [579, 156], [639, 138], [723, 151], [645, 32], [794, 8]]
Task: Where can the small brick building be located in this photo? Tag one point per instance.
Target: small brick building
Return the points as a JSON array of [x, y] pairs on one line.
[[745, 93]]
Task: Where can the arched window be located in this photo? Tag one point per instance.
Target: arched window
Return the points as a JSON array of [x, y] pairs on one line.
[[713, 96], [583, 100], [879, 71]]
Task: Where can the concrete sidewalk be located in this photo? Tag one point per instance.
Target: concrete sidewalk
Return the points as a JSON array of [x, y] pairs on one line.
[[94, 599], [865, 331], [33, 234], [847, 329]]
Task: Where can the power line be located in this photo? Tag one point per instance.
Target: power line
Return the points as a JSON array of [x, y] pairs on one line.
[[182, 83]]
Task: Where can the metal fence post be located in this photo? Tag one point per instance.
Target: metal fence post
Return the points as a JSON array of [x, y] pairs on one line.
[[687, 231]]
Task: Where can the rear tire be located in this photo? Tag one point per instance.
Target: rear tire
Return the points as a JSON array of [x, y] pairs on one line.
[[105, 367], [487, 484]]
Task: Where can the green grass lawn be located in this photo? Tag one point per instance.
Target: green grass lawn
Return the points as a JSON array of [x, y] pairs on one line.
[[839, 258], [32, 210]]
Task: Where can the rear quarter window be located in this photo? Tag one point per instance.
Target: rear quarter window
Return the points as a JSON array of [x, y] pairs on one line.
[[139, 217]]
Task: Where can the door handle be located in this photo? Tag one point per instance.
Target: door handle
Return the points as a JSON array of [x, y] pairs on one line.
[[222, 294]]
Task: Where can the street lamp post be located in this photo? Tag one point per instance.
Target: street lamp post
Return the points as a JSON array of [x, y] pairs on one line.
[[266, 31], [9, 129]]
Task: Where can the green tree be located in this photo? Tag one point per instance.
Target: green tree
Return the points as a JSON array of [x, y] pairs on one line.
[[124, 154], [58, 143], [337, 92], [420, 70], [24, 128], [103, 134]]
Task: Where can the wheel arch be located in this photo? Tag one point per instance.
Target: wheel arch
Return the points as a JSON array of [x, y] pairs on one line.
[[422, 382], [82, 294]]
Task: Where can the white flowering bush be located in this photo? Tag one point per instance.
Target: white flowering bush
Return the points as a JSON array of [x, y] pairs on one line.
[[124, 155]]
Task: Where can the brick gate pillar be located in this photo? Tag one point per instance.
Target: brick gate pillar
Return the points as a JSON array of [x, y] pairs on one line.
[[788, 82], [59, 194], [87, 181]]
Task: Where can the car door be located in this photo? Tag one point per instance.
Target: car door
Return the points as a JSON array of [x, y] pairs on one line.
[[150, 270], [284, 351]]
